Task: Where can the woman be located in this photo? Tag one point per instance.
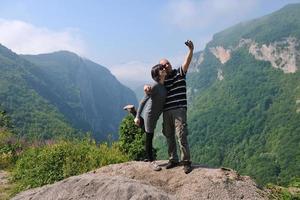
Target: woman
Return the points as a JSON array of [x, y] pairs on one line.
[[150, 108]]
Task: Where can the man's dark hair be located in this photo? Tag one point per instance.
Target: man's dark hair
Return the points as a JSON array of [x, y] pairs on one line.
[[155, 72]]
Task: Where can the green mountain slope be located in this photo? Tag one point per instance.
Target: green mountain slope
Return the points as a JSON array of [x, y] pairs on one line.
[[88, 95], [244, 98], [51, 93], [32, 116]]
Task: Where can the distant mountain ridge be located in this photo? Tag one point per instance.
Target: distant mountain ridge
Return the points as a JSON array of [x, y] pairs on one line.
[[88, 96]]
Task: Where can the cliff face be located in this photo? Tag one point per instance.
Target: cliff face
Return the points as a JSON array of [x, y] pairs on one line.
[[136, 180], [88, 95], [283, 54]]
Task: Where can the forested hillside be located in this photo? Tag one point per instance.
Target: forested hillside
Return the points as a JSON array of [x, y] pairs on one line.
[[57, 94], [31, 115], [88, 95]]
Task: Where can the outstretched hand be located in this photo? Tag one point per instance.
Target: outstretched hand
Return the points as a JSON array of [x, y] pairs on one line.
[[190, 44], [147, 89]]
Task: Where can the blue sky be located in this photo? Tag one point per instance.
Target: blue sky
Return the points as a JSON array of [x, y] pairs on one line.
[[128, 37]]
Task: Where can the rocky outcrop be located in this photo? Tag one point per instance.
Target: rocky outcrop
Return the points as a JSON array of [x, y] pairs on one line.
[[281, 54], [136, 180], [222, 54], [220, 76]]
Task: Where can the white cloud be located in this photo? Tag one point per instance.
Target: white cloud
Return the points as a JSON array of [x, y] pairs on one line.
[[132, 71], [202, 14], [25, 38]]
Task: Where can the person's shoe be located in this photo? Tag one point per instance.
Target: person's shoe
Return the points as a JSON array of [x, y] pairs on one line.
[[171, 164], [155, 166], [130, 108], [187, 167]]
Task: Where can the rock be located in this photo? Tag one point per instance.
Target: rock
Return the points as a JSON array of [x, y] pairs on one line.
[[222, 54], [281, 54], [136, 180]]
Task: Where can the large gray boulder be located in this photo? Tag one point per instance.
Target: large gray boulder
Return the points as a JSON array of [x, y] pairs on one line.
[[136, 180]]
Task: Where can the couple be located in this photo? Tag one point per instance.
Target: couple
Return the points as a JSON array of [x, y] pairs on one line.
[[167, 95]]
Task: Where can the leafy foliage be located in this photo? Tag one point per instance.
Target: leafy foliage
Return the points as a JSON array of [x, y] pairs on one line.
[[132, 139], [8, 143], [38, 166], [282, 193], [8, 149]]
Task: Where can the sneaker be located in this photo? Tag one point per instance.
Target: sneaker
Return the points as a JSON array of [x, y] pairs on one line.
[[131, 109], [128, 107], [155, 166], [171, 164], [187, 168]]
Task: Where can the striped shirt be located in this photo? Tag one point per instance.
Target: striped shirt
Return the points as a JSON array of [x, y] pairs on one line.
[[176, 88]]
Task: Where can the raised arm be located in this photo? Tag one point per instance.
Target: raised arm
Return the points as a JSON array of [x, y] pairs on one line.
[[188, 58]]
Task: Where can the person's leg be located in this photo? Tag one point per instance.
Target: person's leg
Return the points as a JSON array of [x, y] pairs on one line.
[[149, 146], [149, 151], [181, 133], [169, 133]]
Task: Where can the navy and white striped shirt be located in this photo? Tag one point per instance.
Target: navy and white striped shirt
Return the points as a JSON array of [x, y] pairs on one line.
[[176, 88]]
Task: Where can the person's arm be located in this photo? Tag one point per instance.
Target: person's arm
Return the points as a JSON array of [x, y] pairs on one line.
[[140, 109], [188, 58]]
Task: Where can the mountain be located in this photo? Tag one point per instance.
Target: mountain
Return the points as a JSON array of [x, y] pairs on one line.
[[244, 96], [31, 115], [88, 95], [84, 94], [136, 180]]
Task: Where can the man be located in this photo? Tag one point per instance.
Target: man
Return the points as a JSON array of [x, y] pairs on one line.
[[175, 111]]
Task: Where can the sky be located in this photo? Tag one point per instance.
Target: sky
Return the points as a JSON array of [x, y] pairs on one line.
[[126, 36]]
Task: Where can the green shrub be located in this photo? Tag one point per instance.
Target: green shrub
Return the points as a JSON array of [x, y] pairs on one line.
[[9, 147], [282, 193], [132, 139], [38, 166]]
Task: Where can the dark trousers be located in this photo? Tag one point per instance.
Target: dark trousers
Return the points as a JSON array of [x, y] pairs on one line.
[[149, 141], [149, 146]]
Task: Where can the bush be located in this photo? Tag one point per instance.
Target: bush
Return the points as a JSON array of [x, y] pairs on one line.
[[38, 166], [9, 147], [132, 139]]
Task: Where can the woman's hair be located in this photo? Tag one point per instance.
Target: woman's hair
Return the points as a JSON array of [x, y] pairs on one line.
[[155, 72]]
